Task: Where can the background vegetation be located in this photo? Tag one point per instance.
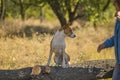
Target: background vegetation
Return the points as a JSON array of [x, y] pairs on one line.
[[27, 27]]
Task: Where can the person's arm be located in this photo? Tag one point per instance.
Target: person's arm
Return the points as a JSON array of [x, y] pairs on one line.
[[108, 43]]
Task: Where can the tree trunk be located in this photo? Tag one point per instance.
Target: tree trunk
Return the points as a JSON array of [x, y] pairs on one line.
[[3, 10], [91, 70], [22, 12], [106, 5], [41, 15], [56, 9]]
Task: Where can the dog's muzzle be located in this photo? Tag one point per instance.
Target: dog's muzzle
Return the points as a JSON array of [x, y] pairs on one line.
[[72, 35]]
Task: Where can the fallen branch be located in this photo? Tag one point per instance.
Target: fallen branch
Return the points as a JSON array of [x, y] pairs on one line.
[[91, 70]]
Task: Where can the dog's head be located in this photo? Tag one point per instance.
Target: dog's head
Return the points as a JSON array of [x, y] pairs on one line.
[[68, 31]]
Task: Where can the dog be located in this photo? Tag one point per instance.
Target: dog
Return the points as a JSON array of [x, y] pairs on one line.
[[58, 46]]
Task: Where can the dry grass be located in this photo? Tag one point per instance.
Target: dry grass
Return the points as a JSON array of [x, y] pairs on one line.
[[18, 52]]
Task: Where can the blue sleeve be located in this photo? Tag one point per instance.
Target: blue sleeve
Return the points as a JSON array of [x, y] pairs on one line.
[[109, 42]]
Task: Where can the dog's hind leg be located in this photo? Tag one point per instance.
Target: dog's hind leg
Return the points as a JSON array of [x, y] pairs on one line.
[[50, 56], [67, 59]]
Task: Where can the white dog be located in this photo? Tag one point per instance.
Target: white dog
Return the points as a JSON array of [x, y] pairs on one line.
[[58, 47]]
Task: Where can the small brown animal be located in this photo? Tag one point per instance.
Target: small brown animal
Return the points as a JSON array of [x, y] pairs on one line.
[[36, 70]]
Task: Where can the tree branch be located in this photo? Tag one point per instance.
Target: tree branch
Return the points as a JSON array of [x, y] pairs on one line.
[[75, 9], [55, 5], [72, 16], [106, 5], [3, 10]]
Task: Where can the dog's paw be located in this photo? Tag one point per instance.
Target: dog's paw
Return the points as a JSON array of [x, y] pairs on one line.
[[64, 66], [57, 65], [67, 65]]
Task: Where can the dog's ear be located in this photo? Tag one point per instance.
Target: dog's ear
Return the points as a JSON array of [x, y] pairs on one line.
[[63, 27], [67, 25]]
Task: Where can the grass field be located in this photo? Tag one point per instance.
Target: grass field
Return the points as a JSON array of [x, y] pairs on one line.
[[33, 48]]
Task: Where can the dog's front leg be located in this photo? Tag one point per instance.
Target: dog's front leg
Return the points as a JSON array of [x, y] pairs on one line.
[[63, 59], [56, 60], [50, 56]]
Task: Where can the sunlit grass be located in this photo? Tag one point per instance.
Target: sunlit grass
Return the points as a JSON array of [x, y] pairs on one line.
[[17, 52]]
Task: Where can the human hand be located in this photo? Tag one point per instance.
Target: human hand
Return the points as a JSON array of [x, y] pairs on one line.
[[100, 47]]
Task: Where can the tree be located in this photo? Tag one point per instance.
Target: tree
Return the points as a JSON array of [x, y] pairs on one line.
[[95, 11], [65, 10], [22, 12], [63, 7], [24, 5], [106, 5], [3, 10], [70, 10]]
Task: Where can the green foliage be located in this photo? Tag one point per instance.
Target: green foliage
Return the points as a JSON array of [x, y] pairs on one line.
[[48, 13], [12, 10], [32, 12], [92, 10]]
